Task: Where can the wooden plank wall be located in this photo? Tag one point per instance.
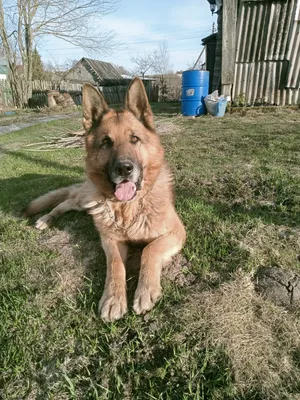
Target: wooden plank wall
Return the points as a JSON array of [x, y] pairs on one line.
[[229, 22], [112, 94]]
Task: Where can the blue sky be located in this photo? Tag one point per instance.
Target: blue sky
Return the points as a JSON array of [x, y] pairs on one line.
[[141, 26]]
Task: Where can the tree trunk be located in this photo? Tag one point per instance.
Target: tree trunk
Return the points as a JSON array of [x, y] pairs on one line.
[[21, 88], [20, 77]]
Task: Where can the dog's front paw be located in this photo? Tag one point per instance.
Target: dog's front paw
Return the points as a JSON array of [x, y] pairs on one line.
[[44, 222], [145, 298], [113, 305]]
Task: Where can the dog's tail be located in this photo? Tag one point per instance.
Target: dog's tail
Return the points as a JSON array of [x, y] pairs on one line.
[[51, 199]]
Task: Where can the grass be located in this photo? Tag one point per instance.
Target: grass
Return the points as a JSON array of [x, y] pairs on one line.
[[238, 191], [29, 114]]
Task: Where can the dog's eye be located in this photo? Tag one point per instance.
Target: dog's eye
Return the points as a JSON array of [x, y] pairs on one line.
[[106, 142], [134, 139]]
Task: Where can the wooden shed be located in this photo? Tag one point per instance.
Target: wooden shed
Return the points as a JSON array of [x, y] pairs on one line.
[[257, 51], [96, 72], [210, 43], [101, 74]]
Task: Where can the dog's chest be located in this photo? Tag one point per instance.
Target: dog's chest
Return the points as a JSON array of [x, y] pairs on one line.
[[131, 223]]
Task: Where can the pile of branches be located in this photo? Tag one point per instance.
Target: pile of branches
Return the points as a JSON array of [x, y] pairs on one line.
[[68, 140]]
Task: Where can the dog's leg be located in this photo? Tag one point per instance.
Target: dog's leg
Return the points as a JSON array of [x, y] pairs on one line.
[[113, 303], [46, 221], [155, 255]]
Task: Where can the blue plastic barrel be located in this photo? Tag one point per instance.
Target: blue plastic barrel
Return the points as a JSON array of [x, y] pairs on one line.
[[195, 86]]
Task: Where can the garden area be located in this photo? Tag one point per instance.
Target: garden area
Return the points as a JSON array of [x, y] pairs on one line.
[[213, 335]]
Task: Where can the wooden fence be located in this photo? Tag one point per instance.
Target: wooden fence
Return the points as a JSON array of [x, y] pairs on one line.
[[5, 94], [112, 94]]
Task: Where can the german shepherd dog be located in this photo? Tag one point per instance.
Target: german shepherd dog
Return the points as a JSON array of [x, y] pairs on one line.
[[129, 192]]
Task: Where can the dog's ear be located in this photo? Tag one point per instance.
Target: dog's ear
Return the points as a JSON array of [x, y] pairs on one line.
[[93, 105], [137, 102]]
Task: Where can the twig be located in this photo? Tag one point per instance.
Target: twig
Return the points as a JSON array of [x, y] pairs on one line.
[[36, 144]]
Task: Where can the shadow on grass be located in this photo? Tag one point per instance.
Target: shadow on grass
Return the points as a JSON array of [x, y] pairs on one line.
[[212, 243], [166, 109], [207, 247], [276, 215], [84, 238], [212, 246], [40, 161], [215, 229]]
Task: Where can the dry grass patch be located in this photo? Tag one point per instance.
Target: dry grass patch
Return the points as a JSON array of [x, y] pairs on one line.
[[272, 244], [167, 126], [262, 341]]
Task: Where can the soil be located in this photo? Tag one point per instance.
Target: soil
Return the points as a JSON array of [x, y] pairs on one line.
[[278, 285], [72, 265]]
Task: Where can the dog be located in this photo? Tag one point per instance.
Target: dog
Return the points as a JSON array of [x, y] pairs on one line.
[[79, 197], [129, 192]]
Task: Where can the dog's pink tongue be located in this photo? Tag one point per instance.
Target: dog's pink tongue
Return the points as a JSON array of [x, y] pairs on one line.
[[125, 191]]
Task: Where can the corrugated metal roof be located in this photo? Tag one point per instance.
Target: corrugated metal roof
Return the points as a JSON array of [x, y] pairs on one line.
[[103, 72], [268, 52]]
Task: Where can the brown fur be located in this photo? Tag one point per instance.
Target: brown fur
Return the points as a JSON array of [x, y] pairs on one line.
[[77, 197], [149, 218]]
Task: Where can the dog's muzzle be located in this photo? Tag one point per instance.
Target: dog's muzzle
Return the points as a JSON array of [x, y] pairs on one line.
[[126, 177]]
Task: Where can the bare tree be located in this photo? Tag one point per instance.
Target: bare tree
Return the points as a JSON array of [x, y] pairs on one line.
[[122, 70], [162, 67], [2, 52], [143, 63], [55, 71], [23, 22], [162, 63], [157, 62]]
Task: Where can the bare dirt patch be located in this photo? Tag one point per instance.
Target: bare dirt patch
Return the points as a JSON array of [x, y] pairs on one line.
[[71, 264], [68, 269], [278, 285], [177, 271], [16, 126]]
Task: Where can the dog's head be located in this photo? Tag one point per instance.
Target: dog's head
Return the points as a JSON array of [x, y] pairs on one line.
[[124, 154]]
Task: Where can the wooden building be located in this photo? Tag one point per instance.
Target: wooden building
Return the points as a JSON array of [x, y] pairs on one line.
[[257, 51], [100, 74], [109, 81], [96, 72]]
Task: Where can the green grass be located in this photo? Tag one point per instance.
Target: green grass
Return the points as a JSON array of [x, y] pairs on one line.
[[26, 114], [237, 183]]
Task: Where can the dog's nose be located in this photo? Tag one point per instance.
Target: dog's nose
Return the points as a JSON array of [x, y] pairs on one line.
[[124, 168]]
